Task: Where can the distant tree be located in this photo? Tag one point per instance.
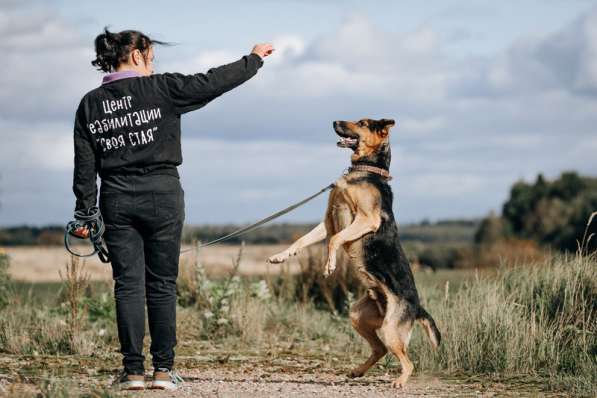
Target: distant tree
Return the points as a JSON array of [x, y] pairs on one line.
[[552, 213], [519, 204], [571, 236], [491, 230], [568, 186]]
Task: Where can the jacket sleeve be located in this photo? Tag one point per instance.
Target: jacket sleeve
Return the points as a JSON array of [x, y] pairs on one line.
[[85, 171], [190, 92]]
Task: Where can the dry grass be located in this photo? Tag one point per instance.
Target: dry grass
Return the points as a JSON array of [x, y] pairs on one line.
[[537, 320], [75, 280]]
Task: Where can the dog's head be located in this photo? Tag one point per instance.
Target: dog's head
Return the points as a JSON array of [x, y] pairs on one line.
[[369, 139]]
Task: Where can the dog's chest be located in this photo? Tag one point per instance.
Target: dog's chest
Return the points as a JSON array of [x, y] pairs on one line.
[[340, 212], [342, 216]]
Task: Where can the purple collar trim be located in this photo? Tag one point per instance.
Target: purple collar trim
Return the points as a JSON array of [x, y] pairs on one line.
[[111, 77]]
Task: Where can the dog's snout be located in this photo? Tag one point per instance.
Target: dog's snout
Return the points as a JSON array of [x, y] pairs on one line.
[[338, 125]]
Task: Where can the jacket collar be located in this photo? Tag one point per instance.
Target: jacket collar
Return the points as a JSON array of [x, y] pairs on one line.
[[111, 77]]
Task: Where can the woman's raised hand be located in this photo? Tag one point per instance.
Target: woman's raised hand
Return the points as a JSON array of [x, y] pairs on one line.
[[263, 50]]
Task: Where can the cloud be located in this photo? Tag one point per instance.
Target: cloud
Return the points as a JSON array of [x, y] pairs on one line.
[[357, 59], [468, 126], [45, 65], [565, 60], [416, 126], [39, 146]]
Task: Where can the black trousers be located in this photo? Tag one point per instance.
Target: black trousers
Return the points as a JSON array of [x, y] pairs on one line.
[[144, 215]]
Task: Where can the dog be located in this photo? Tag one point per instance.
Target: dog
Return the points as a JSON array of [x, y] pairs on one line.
[[359, 219]]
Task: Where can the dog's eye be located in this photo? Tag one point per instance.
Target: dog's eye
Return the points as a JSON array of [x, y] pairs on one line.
[[362, 123]]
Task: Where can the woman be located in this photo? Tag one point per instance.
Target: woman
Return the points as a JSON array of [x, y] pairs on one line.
[[127, 131]]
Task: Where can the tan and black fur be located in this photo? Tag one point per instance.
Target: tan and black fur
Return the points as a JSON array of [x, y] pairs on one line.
[[359, 219]]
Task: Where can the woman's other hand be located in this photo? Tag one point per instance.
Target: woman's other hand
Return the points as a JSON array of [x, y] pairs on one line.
[[263, 50], [82, 232]]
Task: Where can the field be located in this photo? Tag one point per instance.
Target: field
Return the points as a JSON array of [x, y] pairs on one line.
[[258, 330], [42, 263]]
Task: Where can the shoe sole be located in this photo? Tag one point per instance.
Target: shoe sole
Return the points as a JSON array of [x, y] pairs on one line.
[[163, 385], [133, 386]]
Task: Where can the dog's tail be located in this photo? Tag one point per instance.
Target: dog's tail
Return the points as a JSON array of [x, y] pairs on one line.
[[430, 328]]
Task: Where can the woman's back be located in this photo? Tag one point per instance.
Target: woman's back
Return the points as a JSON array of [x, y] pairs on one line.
[[131, 123]]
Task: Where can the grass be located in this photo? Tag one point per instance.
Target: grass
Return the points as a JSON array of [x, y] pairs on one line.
[[536, 319], [531, 323]]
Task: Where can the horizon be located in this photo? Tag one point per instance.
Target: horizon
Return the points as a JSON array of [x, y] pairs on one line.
[[273, 223]]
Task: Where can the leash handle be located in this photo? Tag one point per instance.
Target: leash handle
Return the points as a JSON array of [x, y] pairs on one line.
[[91, 219]]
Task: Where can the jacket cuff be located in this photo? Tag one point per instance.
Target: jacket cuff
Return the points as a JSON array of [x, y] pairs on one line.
[[257, 59], [84, 205]]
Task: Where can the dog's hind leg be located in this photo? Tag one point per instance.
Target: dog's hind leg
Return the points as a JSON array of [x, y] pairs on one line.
[[396, 331], [377, 300], [366, 319]]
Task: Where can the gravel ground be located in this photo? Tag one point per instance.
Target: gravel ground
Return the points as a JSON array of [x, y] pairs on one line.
[[255, 383], [260, 381]]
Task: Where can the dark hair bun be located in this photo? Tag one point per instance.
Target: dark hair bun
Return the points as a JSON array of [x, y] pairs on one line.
[[106, 50], [112, 49]]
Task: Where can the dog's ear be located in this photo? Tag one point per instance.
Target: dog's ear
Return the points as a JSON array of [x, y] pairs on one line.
[[388, 122], [387, 125]]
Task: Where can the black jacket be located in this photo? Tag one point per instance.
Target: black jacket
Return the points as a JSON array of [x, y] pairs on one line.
[[132, 125]]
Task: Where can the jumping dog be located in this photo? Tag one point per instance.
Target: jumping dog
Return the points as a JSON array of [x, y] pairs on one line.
[[359, 219]]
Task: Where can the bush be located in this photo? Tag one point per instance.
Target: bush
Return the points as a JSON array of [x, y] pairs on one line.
[[216, 300], [5, 283], [309, 286]]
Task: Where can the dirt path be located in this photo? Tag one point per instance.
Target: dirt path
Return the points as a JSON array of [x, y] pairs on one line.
[[256, 383], [209, 376]]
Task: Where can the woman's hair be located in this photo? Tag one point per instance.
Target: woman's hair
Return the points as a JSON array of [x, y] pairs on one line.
[[112, 49]]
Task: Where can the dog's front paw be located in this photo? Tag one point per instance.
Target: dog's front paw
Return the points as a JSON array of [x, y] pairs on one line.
[[399, 383], [356, 372], [279, 258], [329, 268]]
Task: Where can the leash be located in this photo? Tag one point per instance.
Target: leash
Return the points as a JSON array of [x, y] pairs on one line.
[[244, 230], [92, 219], [371, 169]]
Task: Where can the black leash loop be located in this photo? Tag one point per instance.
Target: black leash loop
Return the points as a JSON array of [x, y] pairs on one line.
[[92, 219]]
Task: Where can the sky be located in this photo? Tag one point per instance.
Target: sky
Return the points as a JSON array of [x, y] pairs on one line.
[[484, 93]]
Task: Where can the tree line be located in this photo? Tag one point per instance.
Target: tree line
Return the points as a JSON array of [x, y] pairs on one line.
[[552, 213]]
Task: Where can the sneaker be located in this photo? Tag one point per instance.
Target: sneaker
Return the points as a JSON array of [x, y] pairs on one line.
[[126, 381], [166, 379]]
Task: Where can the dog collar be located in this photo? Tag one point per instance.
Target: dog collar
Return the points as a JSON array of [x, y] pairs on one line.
[[371, 169]]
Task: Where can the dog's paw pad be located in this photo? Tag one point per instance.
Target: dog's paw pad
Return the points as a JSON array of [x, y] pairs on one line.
[[399, 383], [277, 259], [353, 374], [328, 270]]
